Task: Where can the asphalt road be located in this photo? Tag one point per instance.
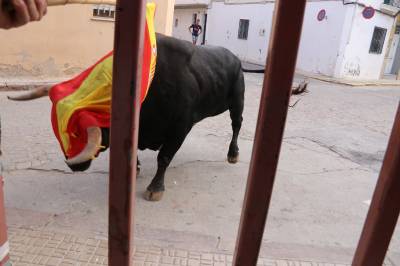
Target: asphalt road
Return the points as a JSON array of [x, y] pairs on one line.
[[333, 147]]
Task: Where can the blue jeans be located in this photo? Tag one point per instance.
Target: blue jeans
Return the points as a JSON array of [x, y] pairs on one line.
[[194, 38]]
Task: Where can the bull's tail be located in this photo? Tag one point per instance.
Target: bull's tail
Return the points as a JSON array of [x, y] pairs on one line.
[[260, 71], [300, 89], [296, 89]]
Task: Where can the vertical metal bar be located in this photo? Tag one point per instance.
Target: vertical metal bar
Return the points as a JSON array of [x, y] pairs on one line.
[[281, 62], [385, 207], [4, 247], [128, 50]]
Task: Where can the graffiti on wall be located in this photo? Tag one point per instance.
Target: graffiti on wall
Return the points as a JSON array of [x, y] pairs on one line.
[[352, 68]]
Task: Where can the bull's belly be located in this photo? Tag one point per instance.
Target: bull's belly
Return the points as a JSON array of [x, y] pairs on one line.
[[146, 144], [152, 134]]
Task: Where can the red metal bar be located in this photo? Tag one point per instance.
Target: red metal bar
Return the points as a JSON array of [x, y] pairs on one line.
[[385, 207], [128, 48], [4, 248], [281, 62]]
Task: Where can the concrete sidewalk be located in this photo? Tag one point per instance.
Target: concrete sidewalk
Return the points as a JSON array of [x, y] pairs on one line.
[[340, 81], [350, 82], [33, 247]]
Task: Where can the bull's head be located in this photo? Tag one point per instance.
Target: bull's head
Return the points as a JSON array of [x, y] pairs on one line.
[[97, 138]]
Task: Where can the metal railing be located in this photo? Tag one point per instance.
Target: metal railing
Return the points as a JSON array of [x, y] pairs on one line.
[[128, 48], [282, 54]]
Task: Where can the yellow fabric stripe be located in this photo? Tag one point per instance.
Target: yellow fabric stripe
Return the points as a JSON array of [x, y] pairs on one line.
[[93, 94], [150, 11], [95, 91]]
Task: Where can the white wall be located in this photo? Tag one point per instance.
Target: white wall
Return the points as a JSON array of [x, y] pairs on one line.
[[223, 26], [357, 62], [183, 19], [192, 2], [336, 46], [374, 3], [320, 42]]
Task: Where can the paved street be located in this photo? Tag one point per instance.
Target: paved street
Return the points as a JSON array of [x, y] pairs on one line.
[[334, 143]]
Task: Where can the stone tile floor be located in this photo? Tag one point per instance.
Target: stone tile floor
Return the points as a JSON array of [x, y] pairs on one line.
[[33, 247]]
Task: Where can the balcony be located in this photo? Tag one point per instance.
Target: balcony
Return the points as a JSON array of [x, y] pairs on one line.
[[390, 7]]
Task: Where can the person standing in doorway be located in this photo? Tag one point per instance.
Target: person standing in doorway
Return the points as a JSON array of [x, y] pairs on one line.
[[195, 29]]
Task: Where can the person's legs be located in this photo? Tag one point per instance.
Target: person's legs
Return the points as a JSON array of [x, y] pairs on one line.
[[194, 39]]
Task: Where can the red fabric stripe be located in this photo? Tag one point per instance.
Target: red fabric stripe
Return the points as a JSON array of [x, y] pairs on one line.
[[79, 122], [62, 90], [147, 50], [84, 118]]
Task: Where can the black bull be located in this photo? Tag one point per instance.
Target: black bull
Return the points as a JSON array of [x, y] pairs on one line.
[[190, 84]]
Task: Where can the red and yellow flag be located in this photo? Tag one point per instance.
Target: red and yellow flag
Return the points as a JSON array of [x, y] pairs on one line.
[[85, 100]]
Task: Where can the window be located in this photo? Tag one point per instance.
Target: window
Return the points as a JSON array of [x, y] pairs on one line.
[[104, 12], [395, 3], [243, 29], [397, 29], [378, 39]]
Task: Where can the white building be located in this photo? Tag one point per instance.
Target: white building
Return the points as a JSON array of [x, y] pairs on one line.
[[186, 13], [343, 39]]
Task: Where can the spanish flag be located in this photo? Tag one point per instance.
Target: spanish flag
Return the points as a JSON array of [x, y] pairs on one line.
[[85, 101]]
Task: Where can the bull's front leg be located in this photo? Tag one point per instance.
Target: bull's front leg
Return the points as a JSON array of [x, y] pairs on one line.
[[156, 188]]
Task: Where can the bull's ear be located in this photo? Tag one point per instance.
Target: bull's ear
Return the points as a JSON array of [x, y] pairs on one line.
[[80, 167]]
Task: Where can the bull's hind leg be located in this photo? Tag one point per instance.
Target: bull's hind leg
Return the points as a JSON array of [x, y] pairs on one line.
[[176, 137], [236, 111], [138, 167]]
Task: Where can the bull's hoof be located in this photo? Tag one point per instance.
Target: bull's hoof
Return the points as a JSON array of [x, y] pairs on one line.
[[153, 196], [233, 159]]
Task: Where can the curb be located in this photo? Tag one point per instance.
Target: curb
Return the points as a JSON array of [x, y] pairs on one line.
[[348, 82]]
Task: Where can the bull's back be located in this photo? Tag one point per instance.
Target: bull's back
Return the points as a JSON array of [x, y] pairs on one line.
[[190, 84], [218, 70]]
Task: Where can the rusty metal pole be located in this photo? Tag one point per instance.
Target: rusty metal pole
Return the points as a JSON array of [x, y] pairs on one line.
[[4, 247], [281, 62], [385, 207], [128, 50]]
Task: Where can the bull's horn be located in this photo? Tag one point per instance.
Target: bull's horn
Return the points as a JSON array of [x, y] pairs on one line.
[[91, 149], [33, 94]]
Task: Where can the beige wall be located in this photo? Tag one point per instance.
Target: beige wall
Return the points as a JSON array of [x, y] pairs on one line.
[[64, 43], [164, 15]]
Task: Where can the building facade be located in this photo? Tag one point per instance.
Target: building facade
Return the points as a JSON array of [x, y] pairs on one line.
[[186, 13], [342, 39], [66, 41]]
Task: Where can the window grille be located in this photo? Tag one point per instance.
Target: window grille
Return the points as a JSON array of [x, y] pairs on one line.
[[106, 12], [378, 39], [243, 29]]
